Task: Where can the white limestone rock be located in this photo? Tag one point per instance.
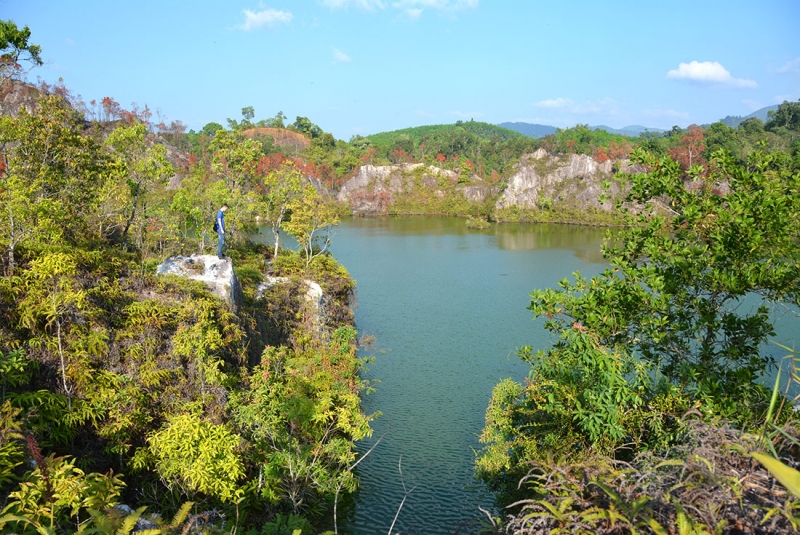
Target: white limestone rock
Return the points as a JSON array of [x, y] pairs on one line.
[[216, 273]]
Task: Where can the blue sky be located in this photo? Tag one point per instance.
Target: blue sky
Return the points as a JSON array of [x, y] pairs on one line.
[[367, 66]]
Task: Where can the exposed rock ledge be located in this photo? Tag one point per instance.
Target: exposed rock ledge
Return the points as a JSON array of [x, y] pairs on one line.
[[216, 273], [313, 302], [574, 179]]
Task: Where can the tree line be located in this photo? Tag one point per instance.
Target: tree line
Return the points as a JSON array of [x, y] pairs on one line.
[[128, 396]]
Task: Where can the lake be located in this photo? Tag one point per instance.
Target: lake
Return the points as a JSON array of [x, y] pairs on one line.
[[447, 308]]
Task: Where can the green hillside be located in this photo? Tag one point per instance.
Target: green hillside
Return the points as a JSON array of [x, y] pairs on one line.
[[448, 139]]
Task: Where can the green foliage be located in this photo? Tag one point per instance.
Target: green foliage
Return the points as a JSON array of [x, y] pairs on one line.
[[580, 397], [311, 221], [696, 488], [15, 47], [302, 413], [58, 494], [581, 140], [284, 189], [676, 285], [11, 454], [138, 169], [49, 162], [490, 148], [665, 328], [198, 456], [787, 117], [287, 525]]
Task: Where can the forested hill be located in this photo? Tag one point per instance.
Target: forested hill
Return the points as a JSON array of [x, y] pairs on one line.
[[420, 134], [533, 130]]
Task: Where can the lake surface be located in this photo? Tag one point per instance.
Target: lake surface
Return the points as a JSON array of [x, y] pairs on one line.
[[447, 307]]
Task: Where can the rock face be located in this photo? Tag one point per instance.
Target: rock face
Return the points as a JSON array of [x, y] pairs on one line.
[[569, 180], [313, 302], [216, 273], [15, 94], [574, 180], [372, 190], [280, 136]]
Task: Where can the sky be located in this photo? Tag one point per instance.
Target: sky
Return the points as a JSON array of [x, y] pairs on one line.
[[359, 67]]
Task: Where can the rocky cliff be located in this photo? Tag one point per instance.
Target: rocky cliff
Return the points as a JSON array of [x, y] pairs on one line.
[[574, 181], [373, 189]]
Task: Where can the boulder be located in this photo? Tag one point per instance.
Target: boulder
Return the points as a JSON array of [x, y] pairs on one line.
[[216, 273]]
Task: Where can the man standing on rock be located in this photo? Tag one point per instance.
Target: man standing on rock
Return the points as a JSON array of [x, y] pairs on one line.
[[219, 225]]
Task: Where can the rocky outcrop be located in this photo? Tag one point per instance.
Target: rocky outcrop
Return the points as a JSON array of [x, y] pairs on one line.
[[313, 302], [216, 273], [373, 188], [573, 180], [569, 180], [282, 137], [15, 94]]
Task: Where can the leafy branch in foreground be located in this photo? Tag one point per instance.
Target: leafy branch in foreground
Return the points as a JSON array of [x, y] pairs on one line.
[[677, 322]]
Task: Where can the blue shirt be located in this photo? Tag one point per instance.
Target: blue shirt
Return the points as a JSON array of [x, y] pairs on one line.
[[220, 221]]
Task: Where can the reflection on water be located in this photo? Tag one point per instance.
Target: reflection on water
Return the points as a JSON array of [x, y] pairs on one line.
[[583, 240]]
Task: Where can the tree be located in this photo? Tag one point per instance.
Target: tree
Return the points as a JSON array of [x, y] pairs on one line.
[[210, 129], [284, 186], [675, 297], [675, 289], [15, 47], [248, 112], [306, 127], [277, 121], [786, 116], [52, 175], [311, 222], [198, 456], [138, 167], [235, 159], [691, 147]]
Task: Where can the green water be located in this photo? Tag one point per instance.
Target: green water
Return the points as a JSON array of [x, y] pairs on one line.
[[447, 308]]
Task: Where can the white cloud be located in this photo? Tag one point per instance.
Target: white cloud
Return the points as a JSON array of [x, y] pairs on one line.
[[778, 99], [554, 103], [792, 66], [266, 18], [340, 56], [709, 72], [69, 41], [414, 13]]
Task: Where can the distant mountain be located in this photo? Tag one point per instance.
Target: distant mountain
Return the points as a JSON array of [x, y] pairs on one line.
[[763, 114], [533, 130], [540, 130], [630, 131]]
